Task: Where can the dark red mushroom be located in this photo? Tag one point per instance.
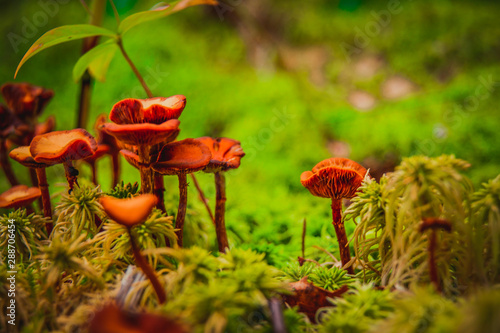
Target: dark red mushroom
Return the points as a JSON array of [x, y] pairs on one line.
[[181, 158], [27, 101], [336, 178], [129, 213], [226, 155]]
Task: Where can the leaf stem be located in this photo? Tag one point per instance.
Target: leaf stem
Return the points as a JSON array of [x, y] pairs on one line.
[[134, 69]]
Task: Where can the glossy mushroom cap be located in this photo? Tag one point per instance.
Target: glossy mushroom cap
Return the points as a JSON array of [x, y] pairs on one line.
[[62, 146], [19, 196], [334, 178], [129, 212], [26, 100], [226, 153], [22, 155], [155, 110], [185, 156], [143, 134]]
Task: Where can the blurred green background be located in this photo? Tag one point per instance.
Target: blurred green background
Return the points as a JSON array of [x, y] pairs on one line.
[[296, 82]]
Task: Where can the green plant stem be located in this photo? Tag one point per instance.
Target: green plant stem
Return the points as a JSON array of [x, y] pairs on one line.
[[134, 69], [220, 210], [338, 224], [146, 171], [147, 269], [7, 169], [181, 211], [44, 188], [203, 198]]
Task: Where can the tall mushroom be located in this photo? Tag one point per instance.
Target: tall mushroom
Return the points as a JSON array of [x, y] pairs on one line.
[[336, 178], [226, 154], [129, 213], [19, 196], [63, 147], [181, 158], [23, 156], [145, 123]]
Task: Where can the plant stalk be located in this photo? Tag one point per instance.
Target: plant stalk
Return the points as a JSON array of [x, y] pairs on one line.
[[181, 211], [44, 188], [432, 260], [220, 210], [94, 173], [7, 169], [147, 269], [134, 69], [203, 198], [338, 224]]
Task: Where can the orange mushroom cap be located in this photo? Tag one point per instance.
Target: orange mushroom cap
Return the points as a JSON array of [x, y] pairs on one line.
[[131, 211], [185, 156], [226, 153], [46, 127], [26, 100], [99, 152], [62, 146], [334, 178], [155, 110], [143, 134], [131, 157], [19, 196], [22, 155]]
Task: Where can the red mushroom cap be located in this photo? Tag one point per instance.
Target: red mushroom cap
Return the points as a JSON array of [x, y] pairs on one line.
[[19, 196], [143, 134], [100, 152], [185, 156], [103, 137], [131, 211], [131, 157], [23, 156], [47, 126], [62, 146], [226, 153], [26, 100], [334, 178], [155, 110]]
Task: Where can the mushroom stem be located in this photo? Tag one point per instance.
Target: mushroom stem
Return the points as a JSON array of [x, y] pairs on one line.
[[159, 189], [146, 171], [71, 174], [94, 173], [147, 269], [220, 209], [432, 260], [44, 188], [203, 198], [115, 160], [181, 211], [338, 224], [7, 169]]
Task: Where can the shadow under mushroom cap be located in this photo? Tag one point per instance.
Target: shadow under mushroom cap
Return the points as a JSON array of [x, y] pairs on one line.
[[226, 153], [335, 178], [62, 146], [143, 134], [155, 110], [19, 196], [185, 156]]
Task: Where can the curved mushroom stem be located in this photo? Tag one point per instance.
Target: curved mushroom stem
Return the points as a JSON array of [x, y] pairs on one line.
[[115, 160], [181, 211], [147, 269], [159, 189], [94, 173], [220, 210], [71, 174], [345, 255], [44, 188], [146, 171], [7, 169], [432, 260], [203, 198]]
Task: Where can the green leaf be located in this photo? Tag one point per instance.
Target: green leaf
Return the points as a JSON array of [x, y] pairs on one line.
[[63, 34], [159, 11], [97, 60]]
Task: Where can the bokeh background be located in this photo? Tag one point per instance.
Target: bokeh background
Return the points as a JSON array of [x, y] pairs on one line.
[[296, 82]]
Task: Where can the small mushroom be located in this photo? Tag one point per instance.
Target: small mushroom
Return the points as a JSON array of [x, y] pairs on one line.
[[19, 196], [226, 154], [23, 156], [181, 158], [46, 127], [336, 178], [129, 213], [434, 224], [92, 160], [27, 101], [63, 147], [155, 110]]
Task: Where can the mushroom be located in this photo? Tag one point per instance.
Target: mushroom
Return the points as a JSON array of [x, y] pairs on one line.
[[27, 101], [104, 138], [23, 156], [91, 160], [434, 224], [180, 158], [6, 130], [226, 154], [129, 213], [63, 147], [336, 178], [19, 196]]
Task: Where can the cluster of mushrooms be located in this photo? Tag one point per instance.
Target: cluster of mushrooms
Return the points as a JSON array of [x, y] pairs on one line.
[[143, 131]]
